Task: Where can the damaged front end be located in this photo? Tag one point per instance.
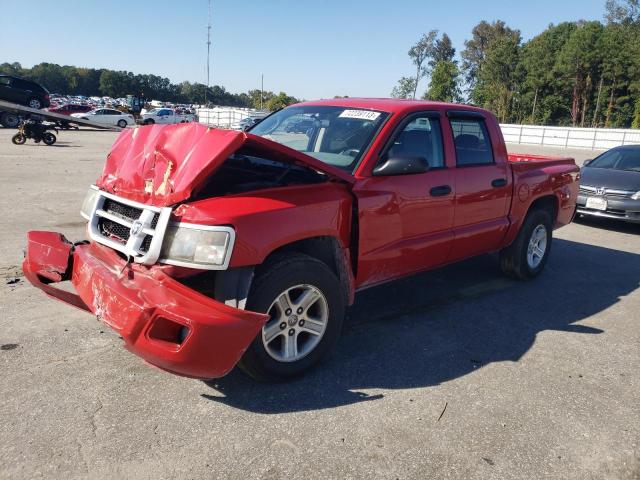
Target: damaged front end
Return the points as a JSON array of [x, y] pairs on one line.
[[133, 273], [161, 320]]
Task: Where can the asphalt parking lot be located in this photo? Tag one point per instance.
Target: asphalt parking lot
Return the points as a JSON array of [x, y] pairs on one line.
[[457, 373]]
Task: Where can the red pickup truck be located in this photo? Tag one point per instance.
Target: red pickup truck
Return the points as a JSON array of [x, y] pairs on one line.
[[210, 248]]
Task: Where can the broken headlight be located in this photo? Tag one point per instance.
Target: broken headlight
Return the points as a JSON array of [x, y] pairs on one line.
[[197, 246], [89, 202]]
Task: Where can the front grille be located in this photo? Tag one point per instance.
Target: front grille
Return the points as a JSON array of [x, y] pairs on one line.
[[606, 192], [113, 230], [121, 210], [129, 227]]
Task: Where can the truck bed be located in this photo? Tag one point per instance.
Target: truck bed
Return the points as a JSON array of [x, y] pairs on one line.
[[541, 160]]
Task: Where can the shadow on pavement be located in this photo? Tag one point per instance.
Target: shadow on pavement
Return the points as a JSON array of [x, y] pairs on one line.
[[609, 224], [441, 325]]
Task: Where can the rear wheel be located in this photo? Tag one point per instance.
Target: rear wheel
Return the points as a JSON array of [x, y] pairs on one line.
[[526, 257], [49, 138], [18, 139], [34, 103], [148, 121], [306, 310]]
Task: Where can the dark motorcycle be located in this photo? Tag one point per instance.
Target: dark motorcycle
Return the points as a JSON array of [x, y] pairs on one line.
[[36, 130]]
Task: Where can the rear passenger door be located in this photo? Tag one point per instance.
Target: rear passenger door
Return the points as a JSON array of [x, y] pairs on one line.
[[482, 187]]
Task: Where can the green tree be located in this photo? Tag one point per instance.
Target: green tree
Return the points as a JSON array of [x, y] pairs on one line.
[[444, 85], [490, 59], [443, 51], [622, 11], [405, 88], [419, 54], [280, 101], [483, 36]]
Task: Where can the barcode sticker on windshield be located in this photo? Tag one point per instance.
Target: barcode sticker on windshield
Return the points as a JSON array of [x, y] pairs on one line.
[[361, 114]]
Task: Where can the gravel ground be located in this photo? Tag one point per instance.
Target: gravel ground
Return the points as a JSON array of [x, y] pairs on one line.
[[457, 373]]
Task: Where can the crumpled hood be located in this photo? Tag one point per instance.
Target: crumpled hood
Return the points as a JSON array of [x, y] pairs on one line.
[[162, 165]]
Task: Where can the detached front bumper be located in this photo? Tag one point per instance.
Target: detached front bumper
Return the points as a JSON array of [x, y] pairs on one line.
[[161, 320]]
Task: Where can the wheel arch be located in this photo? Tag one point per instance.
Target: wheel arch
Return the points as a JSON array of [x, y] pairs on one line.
[[326, 248], [549, 203]]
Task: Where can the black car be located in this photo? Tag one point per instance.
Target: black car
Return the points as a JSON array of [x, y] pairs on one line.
[[610, 185], [24, 92]]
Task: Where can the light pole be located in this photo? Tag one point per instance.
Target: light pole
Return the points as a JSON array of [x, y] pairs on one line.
[[261, 89], [208, 51]]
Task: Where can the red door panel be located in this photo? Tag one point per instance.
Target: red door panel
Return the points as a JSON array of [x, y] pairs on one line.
[[403, 229]]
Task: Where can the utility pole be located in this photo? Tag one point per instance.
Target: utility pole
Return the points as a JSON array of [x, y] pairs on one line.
[[261, 89], [208, 51]]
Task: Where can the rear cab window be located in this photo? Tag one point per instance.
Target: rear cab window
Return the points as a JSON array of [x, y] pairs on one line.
[[472, 142]]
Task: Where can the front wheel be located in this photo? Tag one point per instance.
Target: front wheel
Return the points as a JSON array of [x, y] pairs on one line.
[[122, 123], [49, 138], [526, 257], [19, 139], [302, 297], [148, 122], [9, 120]]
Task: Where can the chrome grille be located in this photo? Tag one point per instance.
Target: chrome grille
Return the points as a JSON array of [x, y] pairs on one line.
[[606, 192], [130, 227]]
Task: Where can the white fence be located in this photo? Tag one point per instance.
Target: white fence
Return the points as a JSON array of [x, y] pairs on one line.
[[224, 117], [570, 137]]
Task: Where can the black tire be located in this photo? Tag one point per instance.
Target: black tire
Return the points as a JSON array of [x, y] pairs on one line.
[[18, 139], [148, 121], [122, 123], [34, 103], [513, 259], [49, 138], [271, 280], [9, 120]]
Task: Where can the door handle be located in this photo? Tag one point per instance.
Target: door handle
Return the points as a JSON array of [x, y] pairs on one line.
[[499, 182], [440, 191]]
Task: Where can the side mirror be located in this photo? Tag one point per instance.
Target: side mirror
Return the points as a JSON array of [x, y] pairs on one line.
[[401, 165], [587, 162]]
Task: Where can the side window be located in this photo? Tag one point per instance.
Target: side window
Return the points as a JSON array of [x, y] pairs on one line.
[[471, 139], [21, 84], [5, 82], [421, 137]]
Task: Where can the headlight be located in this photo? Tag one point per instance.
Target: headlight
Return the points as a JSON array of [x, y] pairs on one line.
[[198, 246], [88, 202], [635, 196]]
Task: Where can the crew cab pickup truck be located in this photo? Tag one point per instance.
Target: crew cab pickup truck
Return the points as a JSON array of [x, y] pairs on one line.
[[164, 116], [210, 248]]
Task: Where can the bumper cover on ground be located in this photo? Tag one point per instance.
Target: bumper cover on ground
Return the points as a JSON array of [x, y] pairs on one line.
[[145, 306]]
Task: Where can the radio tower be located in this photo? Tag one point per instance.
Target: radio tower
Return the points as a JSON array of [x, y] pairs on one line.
[[208, 50]]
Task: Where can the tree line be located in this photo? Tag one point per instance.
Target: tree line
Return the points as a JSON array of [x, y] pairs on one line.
[[583, 73], [71, 80]]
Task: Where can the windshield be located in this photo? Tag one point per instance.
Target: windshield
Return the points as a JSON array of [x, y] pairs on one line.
[[619, 159], [338, 136]]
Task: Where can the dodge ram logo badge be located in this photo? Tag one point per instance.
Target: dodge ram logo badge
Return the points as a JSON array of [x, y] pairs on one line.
[[136, 228], [600, 191]]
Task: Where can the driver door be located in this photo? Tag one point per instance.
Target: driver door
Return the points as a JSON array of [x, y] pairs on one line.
[[406, 221]]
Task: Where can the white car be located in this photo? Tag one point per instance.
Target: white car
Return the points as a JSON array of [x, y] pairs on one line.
[[107, 116], [164, 116]]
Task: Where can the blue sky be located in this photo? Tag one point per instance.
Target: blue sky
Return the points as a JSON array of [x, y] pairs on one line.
[[308, 49]]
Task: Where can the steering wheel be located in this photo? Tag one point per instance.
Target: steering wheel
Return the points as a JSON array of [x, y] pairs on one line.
[[352, 152]]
